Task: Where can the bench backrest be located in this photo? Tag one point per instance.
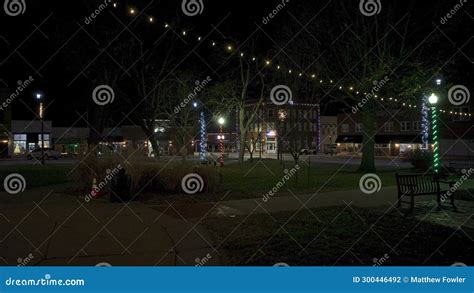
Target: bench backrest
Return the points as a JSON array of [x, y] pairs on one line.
[[417, 183]]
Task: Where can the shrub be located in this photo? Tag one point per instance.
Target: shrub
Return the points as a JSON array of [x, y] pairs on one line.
[[90, 167], [166, 178], [421, 160]]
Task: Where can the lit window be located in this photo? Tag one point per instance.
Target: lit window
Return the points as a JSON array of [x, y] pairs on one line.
[[345, 128]]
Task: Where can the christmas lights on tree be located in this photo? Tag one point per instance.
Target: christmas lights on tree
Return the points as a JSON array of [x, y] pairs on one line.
[[424, 124], [202, 138]]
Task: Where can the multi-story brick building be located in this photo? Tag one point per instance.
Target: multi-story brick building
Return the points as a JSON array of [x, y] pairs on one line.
[[394, 135], [290, 127]]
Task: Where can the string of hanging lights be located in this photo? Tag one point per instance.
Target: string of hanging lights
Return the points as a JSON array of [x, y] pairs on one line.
[[230, 48]]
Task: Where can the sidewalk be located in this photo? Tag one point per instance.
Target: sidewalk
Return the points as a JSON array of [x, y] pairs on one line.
[[58, 229], [386, 196]]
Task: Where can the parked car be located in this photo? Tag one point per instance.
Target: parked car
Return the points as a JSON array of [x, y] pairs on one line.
[[308, 151], [48, 154]]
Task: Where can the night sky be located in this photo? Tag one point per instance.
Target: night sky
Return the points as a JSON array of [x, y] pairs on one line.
[[42, 42]]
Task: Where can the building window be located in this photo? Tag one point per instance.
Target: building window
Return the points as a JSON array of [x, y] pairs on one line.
[[416, 126], [19, 144], [46, 140], [271, 126], [345, 128], [405, 126], [388, 126], [358, 127]]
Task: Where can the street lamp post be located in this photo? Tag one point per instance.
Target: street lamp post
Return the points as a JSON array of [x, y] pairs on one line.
[[41, 115], [221, 137], [433, 100]]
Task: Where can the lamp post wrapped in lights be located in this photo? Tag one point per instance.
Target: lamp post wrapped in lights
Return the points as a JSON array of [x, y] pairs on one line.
[[221, 137], [433, 100]]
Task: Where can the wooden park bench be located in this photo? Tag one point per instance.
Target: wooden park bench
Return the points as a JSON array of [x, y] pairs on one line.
[[422, 184]]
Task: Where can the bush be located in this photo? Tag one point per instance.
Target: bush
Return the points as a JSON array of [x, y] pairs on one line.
[[166, 178], [421, 160], [89, 168], [145, 175]]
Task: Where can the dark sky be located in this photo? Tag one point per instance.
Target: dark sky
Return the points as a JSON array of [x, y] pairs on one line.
[[39, 42]]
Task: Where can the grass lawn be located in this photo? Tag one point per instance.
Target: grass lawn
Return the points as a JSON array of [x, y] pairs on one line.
[[337, 236], [253, 179], [38, 175]]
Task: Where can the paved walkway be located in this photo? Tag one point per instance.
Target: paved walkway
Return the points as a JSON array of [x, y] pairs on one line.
[[386, 196], [40, 227], [44, 227]]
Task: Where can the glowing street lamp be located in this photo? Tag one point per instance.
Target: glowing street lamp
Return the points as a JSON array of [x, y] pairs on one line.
[[433, 100], [220, 137]]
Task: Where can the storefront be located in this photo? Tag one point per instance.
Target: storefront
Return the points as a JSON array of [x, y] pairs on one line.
[[27, 135]]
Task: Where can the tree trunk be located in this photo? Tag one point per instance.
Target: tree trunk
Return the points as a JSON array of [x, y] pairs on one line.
[[243, 135], [367, 163]]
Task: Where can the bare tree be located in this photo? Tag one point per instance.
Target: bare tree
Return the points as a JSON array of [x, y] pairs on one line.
[[243, 92]]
